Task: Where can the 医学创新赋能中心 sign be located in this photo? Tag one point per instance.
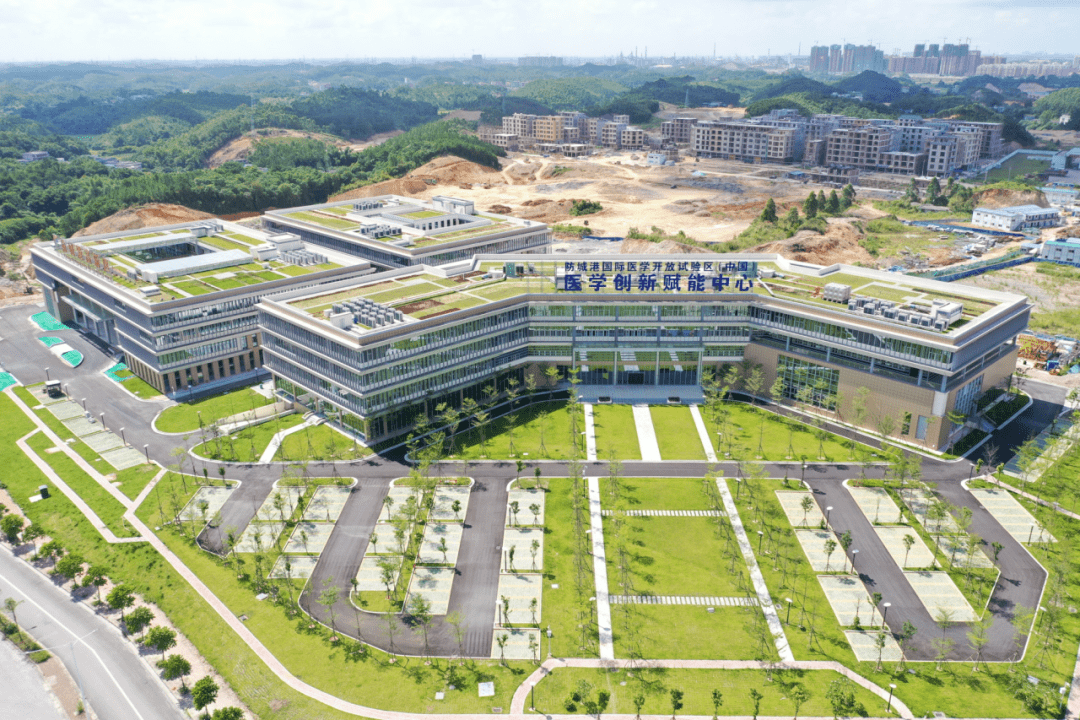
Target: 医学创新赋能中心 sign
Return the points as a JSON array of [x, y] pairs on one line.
[[655, 276]]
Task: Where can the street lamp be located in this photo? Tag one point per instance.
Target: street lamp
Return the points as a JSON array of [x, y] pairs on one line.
[[101, 416], [787, 620], [760, 537], [828, 510], [122, 438], [46, 374], [84, 404], [885, 613], [854, 554], [146, 449], [532, 696], [738, 487], [888, 705]]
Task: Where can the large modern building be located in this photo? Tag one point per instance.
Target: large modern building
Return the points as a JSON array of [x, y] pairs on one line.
[[178, 302], [376, 352], [392, 231]]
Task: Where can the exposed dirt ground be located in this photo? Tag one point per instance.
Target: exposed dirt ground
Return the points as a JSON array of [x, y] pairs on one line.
[[717, 208], [839, 244], [141, 216], [238, 149]]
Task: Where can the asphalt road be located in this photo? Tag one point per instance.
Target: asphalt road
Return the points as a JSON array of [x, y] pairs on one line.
[[25, 694], [475, 588], [118, 685]]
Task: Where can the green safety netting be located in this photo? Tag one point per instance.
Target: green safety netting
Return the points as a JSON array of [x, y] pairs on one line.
[[47, 322], [7, 380], [111, 373], [50, 340], [73, 358]]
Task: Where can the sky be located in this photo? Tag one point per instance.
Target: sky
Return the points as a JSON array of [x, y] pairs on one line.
[[70, 30]]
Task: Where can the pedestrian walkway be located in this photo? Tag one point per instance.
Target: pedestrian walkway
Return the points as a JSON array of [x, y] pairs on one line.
[[758, 579], [279, 437], [590, 433], [683, 600], [603, 607], [703, 432], [650, 449], [668, 513]]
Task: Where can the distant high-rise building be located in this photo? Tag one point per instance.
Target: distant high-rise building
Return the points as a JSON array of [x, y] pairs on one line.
[[938, 60], [540, 61], [848, 58]]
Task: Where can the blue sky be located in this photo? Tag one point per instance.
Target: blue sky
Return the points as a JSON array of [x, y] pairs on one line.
[[226, 29]]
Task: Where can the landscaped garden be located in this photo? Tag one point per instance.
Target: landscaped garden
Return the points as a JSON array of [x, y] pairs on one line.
[[186, 416]]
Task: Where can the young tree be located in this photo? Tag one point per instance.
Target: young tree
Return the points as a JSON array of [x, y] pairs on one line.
[[676, 702], [420, 610], [806, 504], [810, 206], [161, 638], [534, 547], [443, 548], [841, 696], [845, 543], [639, 702], [909, 541], [204, 692], [69, 566], [847, 196], [10, 606], [515, 506], [174, 667], [228, 713], [120, 598], [96, 575], [328, 598], [139, 619], [455, 619], [717, 701], [830, 548], [905, 636], [755, 698], [798, 695], [979, 636], [535, 510], [501, 641], [11, 525], [832, 206], [792, 220], [456, 507]]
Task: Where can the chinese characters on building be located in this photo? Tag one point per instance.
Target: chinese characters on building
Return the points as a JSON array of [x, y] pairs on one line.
[[659, 276]]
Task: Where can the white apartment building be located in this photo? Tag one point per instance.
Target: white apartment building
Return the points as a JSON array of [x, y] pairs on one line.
[[744, 141]]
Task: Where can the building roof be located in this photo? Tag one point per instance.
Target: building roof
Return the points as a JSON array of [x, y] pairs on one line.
[[1015, 210]]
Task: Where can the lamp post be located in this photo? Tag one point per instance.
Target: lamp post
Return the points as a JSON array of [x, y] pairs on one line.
[[854, 554], [84, 404], [828, 511], [888, 705], [549, 640], [760, 537], [47, 375], [532, 696], [122, 438], [738, 487], [146, 450], [787, 620], [101, 416], [885, 613]]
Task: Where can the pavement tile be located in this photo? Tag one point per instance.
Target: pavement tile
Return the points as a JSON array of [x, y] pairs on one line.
[[445, 495], [936, 590], [300, 566], [317, 536], [524, 499], [813, 545], [848, 598], [215, 498], [520, 538], [520, 590], [791, 501], [892, 538], [876, 504], [369, 576], [434, 583], [862, 644], [1019, 523], [327, 503], [430, 554], [517, 643]]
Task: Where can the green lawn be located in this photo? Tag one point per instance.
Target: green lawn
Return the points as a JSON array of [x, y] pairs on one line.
[[616, 433], [108, 508], [551, 420], [184, 417], [753, 431], [656, 494], [656, 684], [951, 690], [134, 479], [139, 387], [689, 632], [402, 292], [405, 686], [319, 443], [246, 445], [84, 451], [560, 605], [671, 556], [676, 433]]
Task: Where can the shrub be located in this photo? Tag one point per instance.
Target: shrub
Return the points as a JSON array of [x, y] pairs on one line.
[[585, 207]]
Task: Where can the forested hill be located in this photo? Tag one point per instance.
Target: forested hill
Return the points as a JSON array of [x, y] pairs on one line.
[[47, 197]]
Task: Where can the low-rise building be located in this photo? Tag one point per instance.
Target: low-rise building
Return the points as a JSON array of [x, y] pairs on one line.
[[744, 141], [393, 231], [1061, 250], [1019, 217], [34, 156]]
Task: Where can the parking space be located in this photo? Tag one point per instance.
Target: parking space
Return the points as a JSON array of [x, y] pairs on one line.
[[299, 567], [919, 501], [440, 544], [309, 538], [937, 592], [258, 536], [65, 409], [521, 590], [865, 649], [434, 583], [327, 503], [813, 545], [848, 599], [956, 549], [279, 504], [399, 498], [1013, 517], [919, 556], [369, 576], [876, 505], [525, 500], [520, 643], [445, 497], [526, 558], [214, 497], [792, 502]]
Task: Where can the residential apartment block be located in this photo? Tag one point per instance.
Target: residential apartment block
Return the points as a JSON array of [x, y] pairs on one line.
[[570, 129], [678, 129], [848, 58], [380, 353], [907, 145]]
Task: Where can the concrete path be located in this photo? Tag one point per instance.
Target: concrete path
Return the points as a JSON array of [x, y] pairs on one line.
[[683, 600], [646, 434], [668, 513], [275, 442], [521, 696], [86, 510], [764, 599], [590, 432], [603, 606], [703, 432]]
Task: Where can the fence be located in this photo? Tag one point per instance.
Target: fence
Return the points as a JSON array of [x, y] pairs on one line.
[[1018, 257]]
